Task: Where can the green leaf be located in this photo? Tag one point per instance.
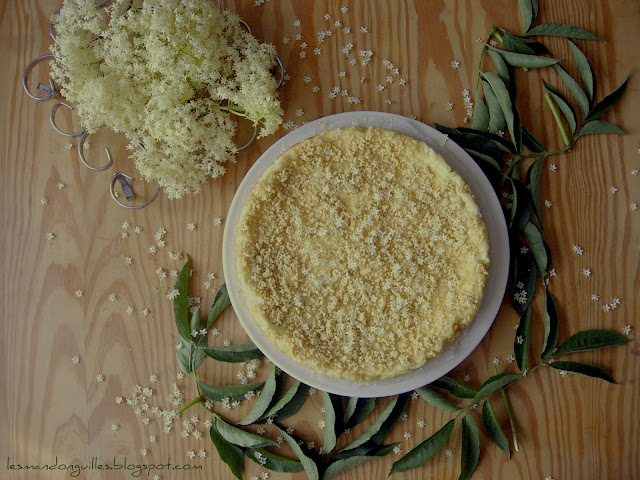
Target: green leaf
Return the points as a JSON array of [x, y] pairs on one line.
[[531, 142], [264, 400], [523, 60], [189, 357], [454, 387], [221, 302], [292, 407], [430, 395], [496, 117], [521, 350], [425, 451], [229, 454], [357, 410], [590, 340], [584, 370], [486, 142], [504, 100], [274, 462], [562, 30], [493, 427], [534, 181], [527, 12], [341, 465], [376, 432], [599, 126], [239, 437], [180, 303], [563, 105], [486, 158], [480, 115], [516, 44], [331, 429], [494, 384], [551, 321], [501, 67], [307, 463], [607, 102], [470, 448], [574, 88], [234, 353], [584, 68], [233, 392], [536, 244], [286, 398]]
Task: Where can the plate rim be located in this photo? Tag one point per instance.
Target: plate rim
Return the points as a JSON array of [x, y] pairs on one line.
[[466, 341]]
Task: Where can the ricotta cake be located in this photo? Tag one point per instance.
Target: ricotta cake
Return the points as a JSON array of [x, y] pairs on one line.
[[361, 254]]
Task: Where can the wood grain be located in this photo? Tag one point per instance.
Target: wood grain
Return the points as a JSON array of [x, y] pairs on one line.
[[569, 428]]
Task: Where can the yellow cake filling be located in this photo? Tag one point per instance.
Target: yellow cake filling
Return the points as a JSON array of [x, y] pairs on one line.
[[361, 254]]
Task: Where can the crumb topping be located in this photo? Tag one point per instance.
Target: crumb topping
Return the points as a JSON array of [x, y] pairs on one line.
[[361, 253]]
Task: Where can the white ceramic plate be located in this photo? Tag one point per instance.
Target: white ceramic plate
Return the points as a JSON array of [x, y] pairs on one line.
[[492, 215]]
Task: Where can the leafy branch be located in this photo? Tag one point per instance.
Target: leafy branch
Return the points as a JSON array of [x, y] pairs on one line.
[[502, 160]]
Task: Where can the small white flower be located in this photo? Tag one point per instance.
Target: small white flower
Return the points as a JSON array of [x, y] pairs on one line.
[[606, 308], [191, 454], [173, 294], [69, 146], [128, 260], [595, 297], [303, 54], [118, 400], [296, 23], [61, 185], [389, 79], [49, 236], [299, 112], [614, 189], [496, 360], [586, 272], [553, 167], [130, 310], [226, 342], [100, 378], [208, 284], [79, 293], [404, 416], [202, 454], [346, 30], [455, 64], [448, 452], [153, 249], [115, 427], [467, 378], [548, 203], [337, 24], [402, 82], [217, 221], [321, 424], [407, 435], [303, 45], [75, 360], [421, 423], [510, 359], [299, 36], [315, 89], [138, 229], [307, 79], [327, 16], [519, 340], [215, 332], [344, 9], [524, 250], [493, 43], [126, 225], [191, 227], [563, 373], [364, 30], [290, 430], [312, 391], [260, 431], [380, 87], [548, 478], [146, 311], [397, 450], [180, 376], [125, 235], [627, 330], [153, 378], [634, 172], [342, 74], [552, 272], [44, 200], [633, 206], [285, 40], [578, 249]]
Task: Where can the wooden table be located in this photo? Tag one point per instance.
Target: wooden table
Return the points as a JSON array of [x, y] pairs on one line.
[[51, 408]]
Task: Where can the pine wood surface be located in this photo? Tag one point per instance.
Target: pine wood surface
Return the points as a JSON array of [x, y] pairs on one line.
[[569, 428]]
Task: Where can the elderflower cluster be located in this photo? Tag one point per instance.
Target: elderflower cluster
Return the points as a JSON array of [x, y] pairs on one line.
[[171, 75]]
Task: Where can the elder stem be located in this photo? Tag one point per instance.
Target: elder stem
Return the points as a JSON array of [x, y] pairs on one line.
[[509, 415], [556, 116], [190, 404]]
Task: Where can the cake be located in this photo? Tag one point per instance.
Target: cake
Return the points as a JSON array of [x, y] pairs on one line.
[[361, 254]]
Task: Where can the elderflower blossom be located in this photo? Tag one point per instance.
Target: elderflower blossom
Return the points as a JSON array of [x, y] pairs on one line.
[[160, 74]]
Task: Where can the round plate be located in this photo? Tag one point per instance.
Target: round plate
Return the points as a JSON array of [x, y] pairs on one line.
[[492, 215]]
